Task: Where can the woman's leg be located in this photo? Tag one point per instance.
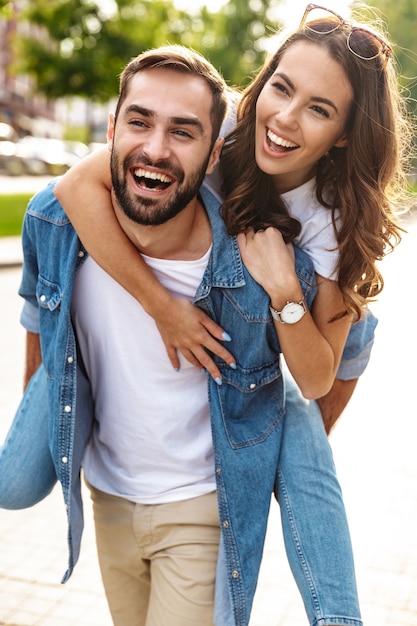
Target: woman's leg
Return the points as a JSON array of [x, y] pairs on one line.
[[315, 527], [27, 472]]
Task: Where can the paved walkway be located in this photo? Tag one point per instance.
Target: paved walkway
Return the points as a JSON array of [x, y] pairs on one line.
[[375, 452]]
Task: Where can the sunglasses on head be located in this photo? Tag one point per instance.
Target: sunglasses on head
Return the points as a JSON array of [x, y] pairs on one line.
[[362, 42]]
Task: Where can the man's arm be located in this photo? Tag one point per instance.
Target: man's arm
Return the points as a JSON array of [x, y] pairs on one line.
[[333, 403], [33, 356]]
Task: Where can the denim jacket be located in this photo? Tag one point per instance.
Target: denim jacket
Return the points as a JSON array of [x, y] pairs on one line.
[[246, 410]]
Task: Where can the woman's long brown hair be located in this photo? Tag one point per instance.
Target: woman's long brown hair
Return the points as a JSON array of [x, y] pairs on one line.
[[365, 182]]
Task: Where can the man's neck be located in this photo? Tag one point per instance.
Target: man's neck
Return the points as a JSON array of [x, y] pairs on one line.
[[185, 237]]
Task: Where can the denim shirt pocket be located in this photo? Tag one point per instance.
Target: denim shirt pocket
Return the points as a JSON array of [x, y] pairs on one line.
[[49, 298], [251, 403]]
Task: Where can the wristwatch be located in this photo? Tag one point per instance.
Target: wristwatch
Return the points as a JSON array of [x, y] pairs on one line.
[[291, 313]]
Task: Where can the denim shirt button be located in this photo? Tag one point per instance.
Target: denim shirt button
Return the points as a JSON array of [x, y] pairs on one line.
[[42, 298], [252, 386], [70, 359], [218, 470], [67, 409], [64, 459], [225, 524], [81, 254], [235, 574]]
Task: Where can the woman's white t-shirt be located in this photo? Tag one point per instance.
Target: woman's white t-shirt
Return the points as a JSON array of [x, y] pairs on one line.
[[317, 237]]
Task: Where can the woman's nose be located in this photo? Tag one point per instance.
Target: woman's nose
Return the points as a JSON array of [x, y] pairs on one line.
[[288, 115]]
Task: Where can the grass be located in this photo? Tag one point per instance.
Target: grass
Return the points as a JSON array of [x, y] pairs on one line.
[[13, 206], [12, 210]]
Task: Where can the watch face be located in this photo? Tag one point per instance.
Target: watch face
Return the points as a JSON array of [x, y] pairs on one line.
[[292, 312]]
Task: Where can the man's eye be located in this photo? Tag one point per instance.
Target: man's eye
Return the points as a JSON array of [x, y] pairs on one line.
[[137, 123], [182, 133]]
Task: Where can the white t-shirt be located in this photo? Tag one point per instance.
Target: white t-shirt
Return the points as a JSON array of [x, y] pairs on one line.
[[317, 237], [152, 439]]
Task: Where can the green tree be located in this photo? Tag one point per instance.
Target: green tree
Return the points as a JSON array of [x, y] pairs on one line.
[[232, 38], [79, 49]]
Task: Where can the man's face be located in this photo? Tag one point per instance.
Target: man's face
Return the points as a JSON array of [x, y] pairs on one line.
[[160, 144]]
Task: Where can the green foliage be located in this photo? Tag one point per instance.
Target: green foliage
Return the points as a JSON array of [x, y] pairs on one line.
[[80, 50], [400, 20], [12, 210], [232, 38]]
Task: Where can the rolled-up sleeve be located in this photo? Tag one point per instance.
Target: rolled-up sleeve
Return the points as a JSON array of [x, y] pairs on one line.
[[357, 352]]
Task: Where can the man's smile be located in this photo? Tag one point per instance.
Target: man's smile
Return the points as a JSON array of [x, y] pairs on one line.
[[151, 181]]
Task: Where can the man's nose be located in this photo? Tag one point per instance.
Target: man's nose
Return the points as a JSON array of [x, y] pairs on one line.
[[156, 146]]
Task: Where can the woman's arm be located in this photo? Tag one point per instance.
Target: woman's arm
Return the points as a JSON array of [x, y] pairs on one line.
[[33, 356], [84, 192], [334, 402], [313, 346]]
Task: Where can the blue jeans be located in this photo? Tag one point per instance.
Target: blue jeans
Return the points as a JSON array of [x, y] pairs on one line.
[[27, 473], [314, 523]]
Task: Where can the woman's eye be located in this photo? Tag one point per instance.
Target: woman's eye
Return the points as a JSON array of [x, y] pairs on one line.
[[321, 111], [280, 87]]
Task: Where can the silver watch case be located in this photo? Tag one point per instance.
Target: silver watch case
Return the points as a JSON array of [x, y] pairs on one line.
[[291, 313]]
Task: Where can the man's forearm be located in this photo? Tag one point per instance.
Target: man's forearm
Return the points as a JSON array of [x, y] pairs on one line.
[[333, 404], [33, 356]]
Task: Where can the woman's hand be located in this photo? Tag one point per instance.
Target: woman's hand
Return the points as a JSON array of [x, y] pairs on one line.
[[188, 329], [270, 261]]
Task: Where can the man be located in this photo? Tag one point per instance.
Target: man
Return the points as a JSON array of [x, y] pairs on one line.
[[148, 455]]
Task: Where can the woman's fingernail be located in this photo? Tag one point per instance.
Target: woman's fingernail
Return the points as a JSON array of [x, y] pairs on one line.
[[176, 369], [233, 366], [218, 381], [226, 336]]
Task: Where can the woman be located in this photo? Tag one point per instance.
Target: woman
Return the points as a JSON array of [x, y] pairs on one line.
[[328, 587]]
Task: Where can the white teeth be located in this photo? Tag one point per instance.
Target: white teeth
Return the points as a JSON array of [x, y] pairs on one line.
[[140, 173], [279, 141]]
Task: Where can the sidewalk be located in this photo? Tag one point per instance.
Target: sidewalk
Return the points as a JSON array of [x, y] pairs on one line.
[[375, 453]]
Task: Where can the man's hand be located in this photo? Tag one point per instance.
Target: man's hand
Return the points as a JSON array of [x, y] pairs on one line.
[[333, 403]]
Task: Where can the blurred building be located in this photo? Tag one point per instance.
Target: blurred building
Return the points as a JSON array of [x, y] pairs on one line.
[[20, 105], [29, 112]]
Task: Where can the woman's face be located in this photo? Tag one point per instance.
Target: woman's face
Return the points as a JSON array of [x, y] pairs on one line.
[[301, 113]]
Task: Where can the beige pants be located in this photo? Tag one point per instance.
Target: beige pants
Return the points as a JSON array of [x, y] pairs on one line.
[[158, 562]]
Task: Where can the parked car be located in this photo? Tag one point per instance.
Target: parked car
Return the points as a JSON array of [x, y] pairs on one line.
[[10, 163], [37, 155], [55, 155], [7, 132]]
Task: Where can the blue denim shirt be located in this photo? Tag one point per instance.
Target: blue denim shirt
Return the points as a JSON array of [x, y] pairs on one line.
[[246, 410]]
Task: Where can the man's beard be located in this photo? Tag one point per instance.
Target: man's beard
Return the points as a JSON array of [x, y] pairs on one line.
[[149, 211]]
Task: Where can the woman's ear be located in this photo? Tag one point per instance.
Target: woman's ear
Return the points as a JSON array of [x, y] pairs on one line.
[[342, 142]]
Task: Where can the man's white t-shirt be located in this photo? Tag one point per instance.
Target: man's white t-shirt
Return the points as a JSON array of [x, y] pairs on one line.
[[152, 439]]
